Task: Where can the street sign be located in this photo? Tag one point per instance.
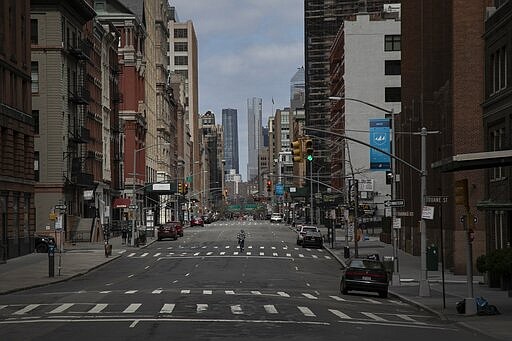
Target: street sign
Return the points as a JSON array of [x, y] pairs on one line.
[[427, 212], [189, 179], [397, 223], [279, 189], [132, 207], [395, 203], [60, 207], [404, 214], [436, 199]]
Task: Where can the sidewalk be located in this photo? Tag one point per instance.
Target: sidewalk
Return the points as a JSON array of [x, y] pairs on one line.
[[32, 270], [498, 326]]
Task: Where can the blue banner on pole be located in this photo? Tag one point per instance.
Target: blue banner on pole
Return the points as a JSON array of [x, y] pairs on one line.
[[380, 138], [279, 189]]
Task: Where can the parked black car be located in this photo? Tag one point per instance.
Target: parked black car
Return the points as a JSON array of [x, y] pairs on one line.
[[41, 243], [365, 275], [312, 238]]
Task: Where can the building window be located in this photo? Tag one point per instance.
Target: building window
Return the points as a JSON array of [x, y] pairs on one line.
[[35, 116], [498, 229], [392, 42], [497, 137], [180, 60], [498, 65], [180, 33], [180, 47], [184, 73], [392, 67], [393, 94], [34, 34], [35, 77]]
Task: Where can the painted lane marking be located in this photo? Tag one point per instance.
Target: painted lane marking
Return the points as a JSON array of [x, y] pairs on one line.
[[61, 308], [275, 254], [262, 247], [255, 292], [187, 274], [307, 284], [297, 268], [207, 292], [327, 257], [337, 298], [184, 291], [249, 253], [408, 318], [236, 309], [130, 292], [340, 314], [227, 247], [262, 254], [250, 247], [235, 253], [273, 247], [203, 247], [167, 308], [134, 323], [269, 308], [320, 250], [157, 291], [175, 281], [282, 293], [130, 276], [98, 308], [201, 307], [311, 297], [397, 302], [196, 254], [306, 312], [131, 254], [132, 308], [374, 317], [301, 255], [314, 256], [157, 254], [3, 306], [144, 254], [229, 292], [147, 267], [222, 253], [372, 301], [288, 255], [105, 292]]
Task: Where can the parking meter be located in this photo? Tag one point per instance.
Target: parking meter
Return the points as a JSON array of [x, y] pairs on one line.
[[51, 260]]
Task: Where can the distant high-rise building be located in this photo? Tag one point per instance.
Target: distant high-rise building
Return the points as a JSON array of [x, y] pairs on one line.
[[264, 131], [254, 109], [230, 126], [297, 89]]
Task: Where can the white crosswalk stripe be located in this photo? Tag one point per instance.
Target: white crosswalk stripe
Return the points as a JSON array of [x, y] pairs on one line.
[[301, 255], [209, 253], [61, 308], [255, 292], [229, 292], [269, 308], [3, 306], [131, 254], [222, 253], [197, 253], [157, 254], [314, 256], [275, 254], [201, 307], [106, 292], [340, 314], [157, 291], [249, 253], [337, 298], [132, 308], [372, 301], [27, 309], [235, 253], [236, 309], [327, 257], [207, 292], [288, 255], [374, 317], [98, 308], [407, 318], [185, 291], [282, 293], [309, 296], [144, 254], [262, 254], [167, 308], [306, 311], [129, 292]]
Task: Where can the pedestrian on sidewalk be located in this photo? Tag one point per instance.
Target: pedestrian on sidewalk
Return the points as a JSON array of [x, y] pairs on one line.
[[124, 234]]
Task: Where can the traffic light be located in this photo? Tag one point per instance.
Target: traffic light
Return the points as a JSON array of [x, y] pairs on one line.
[[185, 191], [389, 177], [269, 186], [180, 188], [309, 149], [297, 150]]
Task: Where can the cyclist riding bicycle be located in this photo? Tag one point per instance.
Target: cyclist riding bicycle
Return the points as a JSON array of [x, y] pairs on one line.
[[241, 240]]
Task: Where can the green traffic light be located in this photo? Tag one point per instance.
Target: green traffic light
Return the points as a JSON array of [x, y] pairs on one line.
[[309, 157]]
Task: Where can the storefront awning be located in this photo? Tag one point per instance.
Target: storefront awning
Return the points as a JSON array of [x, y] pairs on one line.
[[121, 203]]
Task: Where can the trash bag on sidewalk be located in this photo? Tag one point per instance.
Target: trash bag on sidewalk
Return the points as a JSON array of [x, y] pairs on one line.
[[484, 308]]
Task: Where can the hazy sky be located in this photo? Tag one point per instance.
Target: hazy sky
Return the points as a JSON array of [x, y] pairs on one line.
[[247, 48]]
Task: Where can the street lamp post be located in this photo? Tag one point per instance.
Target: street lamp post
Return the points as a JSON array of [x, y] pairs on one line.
[[223, 163], [134, 177]]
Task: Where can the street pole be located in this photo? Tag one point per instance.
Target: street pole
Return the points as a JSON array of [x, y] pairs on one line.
[[396, 273], [311, 212], [134, 174], [223, 162], [424, 286], [356, 217]]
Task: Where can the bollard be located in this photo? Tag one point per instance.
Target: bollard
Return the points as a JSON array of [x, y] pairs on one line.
[[51, 260]]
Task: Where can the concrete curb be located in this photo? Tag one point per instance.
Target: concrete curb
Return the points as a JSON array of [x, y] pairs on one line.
[[419, 305], [341, 261], [108, 260]]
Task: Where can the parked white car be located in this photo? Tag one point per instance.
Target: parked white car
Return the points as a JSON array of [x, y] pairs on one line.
[[276, 218], [302, 230]]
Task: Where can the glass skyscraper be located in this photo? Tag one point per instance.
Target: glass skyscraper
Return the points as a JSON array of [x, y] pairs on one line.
[[230, 127], [254, 112]]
